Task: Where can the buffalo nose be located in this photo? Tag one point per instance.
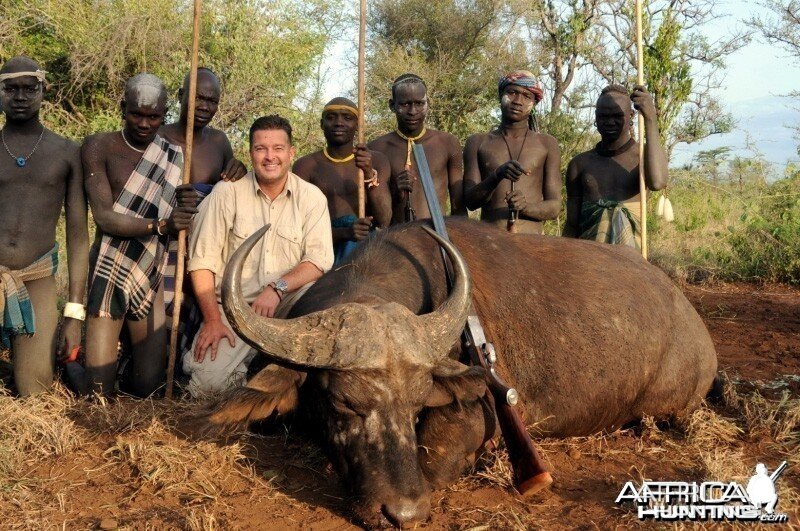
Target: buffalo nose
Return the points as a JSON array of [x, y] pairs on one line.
[[404, 510]]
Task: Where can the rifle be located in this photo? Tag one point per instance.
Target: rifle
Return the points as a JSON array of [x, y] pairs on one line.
[[530, 474]]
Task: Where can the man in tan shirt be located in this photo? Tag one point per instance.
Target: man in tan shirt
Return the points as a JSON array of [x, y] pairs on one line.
[[294, 252]]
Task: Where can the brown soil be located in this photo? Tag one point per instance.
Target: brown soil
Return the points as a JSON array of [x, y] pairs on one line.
[[289, 485]]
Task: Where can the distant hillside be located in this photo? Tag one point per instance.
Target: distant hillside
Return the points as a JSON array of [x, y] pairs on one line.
[[768, 120]]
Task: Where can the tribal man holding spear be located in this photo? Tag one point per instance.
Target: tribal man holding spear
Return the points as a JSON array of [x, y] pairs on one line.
[[334, 170]]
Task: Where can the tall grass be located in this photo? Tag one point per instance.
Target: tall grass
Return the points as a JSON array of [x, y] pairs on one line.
[[733, 232]]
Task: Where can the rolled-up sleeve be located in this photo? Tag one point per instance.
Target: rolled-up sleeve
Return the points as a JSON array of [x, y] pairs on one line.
[[208, 238], [317, 234]]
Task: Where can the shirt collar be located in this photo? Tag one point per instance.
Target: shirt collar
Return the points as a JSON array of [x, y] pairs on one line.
[[289, 188]]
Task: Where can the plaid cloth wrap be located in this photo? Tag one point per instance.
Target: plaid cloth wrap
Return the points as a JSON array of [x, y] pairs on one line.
[[609, 222], [15, 303], [128, 271], [191, 317]]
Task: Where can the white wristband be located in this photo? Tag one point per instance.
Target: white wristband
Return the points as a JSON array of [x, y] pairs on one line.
[[73, 310]]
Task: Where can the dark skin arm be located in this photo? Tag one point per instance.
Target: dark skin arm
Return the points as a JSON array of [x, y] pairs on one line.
[[455, 179], [574, 200], [77, 248], [101, 200], [379, 198], [550, 206], [476, 191], [234, 169], [656, 172]]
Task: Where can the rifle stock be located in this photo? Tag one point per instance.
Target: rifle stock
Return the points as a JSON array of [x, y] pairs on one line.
[[530, 473]]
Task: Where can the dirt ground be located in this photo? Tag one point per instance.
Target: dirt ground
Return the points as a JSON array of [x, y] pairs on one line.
[[121, 465]]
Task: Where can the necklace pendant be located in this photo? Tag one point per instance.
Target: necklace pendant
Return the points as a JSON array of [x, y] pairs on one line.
[[21, 161]]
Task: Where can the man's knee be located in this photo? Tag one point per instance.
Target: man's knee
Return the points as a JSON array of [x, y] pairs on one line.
[[205, 383]]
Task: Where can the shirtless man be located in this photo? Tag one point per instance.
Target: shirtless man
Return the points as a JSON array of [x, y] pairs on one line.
[[514, 168], [39, 173], [212, 155], [603, 184], [409, 103], [334, 170], [212, 161], [132, 179]]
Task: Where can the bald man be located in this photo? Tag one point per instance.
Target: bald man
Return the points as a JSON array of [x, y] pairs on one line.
[[133, 181], [603, 183], [40, 172], [334, 170]]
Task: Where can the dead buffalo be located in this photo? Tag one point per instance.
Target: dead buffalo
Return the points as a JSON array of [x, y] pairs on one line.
[[591, 335]]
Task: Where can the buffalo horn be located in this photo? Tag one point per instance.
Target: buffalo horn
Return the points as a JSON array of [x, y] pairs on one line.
[[444, 325]]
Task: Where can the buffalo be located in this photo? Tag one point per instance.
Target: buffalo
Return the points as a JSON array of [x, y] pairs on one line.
[[591, 335]]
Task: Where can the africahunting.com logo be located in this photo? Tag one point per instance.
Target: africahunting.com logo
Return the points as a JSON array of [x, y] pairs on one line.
[[711, 500]]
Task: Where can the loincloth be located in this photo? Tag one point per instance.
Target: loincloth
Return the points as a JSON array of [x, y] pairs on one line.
[[17, 312]]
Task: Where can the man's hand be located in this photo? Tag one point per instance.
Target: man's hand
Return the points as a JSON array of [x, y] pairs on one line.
[[363, 159], [187, 195], [511, 170], [361, 228], [210, 335], [234, 170], [405, 181], [516, 201], [265, 304], [643, 102], [71, 338], [180, 219]]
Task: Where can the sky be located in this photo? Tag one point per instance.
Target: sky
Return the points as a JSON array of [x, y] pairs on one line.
[[756, 81], [754, 88]]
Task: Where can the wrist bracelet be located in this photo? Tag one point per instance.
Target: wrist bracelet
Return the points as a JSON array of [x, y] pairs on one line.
[[160, 225], [73, 310]]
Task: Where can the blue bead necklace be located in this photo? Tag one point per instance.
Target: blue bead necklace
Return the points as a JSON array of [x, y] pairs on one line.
[[20, 160]]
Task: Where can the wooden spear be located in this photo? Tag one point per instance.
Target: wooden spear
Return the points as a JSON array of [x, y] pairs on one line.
[[640, 79], [187, 172], [362, 89]]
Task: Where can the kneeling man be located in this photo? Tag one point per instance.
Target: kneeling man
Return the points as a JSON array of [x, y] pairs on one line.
[[133, 181], [295, 252]]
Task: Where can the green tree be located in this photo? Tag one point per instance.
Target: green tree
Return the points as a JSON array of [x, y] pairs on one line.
[[459, 47], [682, 67], [711, 159], [265, 52]]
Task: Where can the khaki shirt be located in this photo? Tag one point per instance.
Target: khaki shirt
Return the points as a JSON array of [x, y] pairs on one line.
[[300, 232]]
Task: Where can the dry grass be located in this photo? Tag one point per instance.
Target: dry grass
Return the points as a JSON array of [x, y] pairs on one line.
[[134, 442], [194, 484]]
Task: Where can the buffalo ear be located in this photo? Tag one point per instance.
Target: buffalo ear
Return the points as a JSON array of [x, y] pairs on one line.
[[455, 382], [273, 390]]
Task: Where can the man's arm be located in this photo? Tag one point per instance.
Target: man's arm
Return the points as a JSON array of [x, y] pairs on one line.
[[207, 243], [77, 246], [550, 206], [232, 168], [455, 177], [379, 198], [574, 200], [656, 171], [101, 199], [317, 257], [476, 190]]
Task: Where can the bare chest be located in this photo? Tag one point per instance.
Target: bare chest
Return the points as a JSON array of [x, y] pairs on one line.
[[530, 152], [613, 178]]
